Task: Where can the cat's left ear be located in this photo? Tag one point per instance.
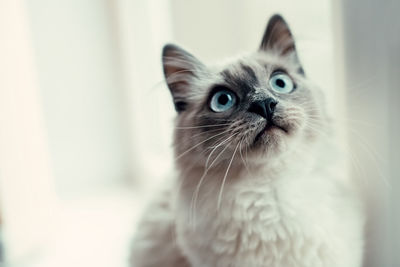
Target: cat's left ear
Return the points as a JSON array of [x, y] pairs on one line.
[[279, 39], [180, 69]]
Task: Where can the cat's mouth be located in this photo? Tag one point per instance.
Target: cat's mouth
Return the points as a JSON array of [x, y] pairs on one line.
[[270, 128]]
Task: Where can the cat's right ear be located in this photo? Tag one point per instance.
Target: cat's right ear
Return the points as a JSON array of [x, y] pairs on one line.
[[180, 69]]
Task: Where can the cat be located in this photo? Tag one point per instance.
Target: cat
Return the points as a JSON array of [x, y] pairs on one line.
[[257, 181]]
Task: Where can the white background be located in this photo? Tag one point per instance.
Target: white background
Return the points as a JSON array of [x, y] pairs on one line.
[[86, 119]]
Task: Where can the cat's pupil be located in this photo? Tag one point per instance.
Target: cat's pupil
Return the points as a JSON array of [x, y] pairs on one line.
[[223, 99], [280, 83]]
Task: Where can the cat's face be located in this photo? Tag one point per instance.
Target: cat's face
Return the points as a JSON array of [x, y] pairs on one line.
[[258, 107]]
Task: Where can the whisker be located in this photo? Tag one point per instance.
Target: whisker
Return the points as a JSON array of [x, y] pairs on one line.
[[193, 147], [243, 160], [206, 132], [197, 190], [224, 180], [202, 126]]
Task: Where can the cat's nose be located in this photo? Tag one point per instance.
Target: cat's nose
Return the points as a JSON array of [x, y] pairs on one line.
[[264, 108]]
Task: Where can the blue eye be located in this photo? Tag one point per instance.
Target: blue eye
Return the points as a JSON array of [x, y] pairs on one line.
[[222, 100], [281, 83]]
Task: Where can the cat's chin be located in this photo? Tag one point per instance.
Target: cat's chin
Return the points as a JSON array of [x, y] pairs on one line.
[[270, 140], [268, 131]]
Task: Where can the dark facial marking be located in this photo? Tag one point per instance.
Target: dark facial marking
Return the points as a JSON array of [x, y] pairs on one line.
[[180, 106], [244, 82], [250, 73]]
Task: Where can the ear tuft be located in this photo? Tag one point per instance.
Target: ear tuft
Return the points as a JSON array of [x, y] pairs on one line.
[[174, 59], [279, 39], [180, 68], [277, 36]]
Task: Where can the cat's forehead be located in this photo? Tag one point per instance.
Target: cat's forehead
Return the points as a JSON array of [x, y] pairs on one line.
[[254, 68]]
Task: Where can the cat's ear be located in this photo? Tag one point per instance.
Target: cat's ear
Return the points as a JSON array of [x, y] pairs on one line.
[[180, 69], [279, 39]]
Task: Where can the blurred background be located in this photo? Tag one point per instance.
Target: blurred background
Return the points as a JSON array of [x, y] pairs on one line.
[[86, 120]]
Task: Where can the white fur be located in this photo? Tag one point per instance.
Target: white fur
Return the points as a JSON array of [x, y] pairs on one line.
[[299, 218]]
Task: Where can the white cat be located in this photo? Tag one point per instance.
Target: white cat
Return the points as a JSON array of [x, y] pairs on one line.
[[258, 183]]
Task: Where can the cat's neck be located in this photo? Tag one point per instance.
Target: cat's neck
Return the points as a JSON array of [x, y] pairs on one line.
[[211, 187]]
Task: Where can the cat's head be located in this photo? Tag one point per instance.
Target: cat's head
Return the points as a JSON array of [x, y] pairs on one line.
[[260, 106]]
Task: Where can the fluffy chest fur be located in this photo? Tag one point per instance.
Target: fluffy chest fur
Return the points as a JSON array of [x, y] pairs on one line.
[[289, 223]]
